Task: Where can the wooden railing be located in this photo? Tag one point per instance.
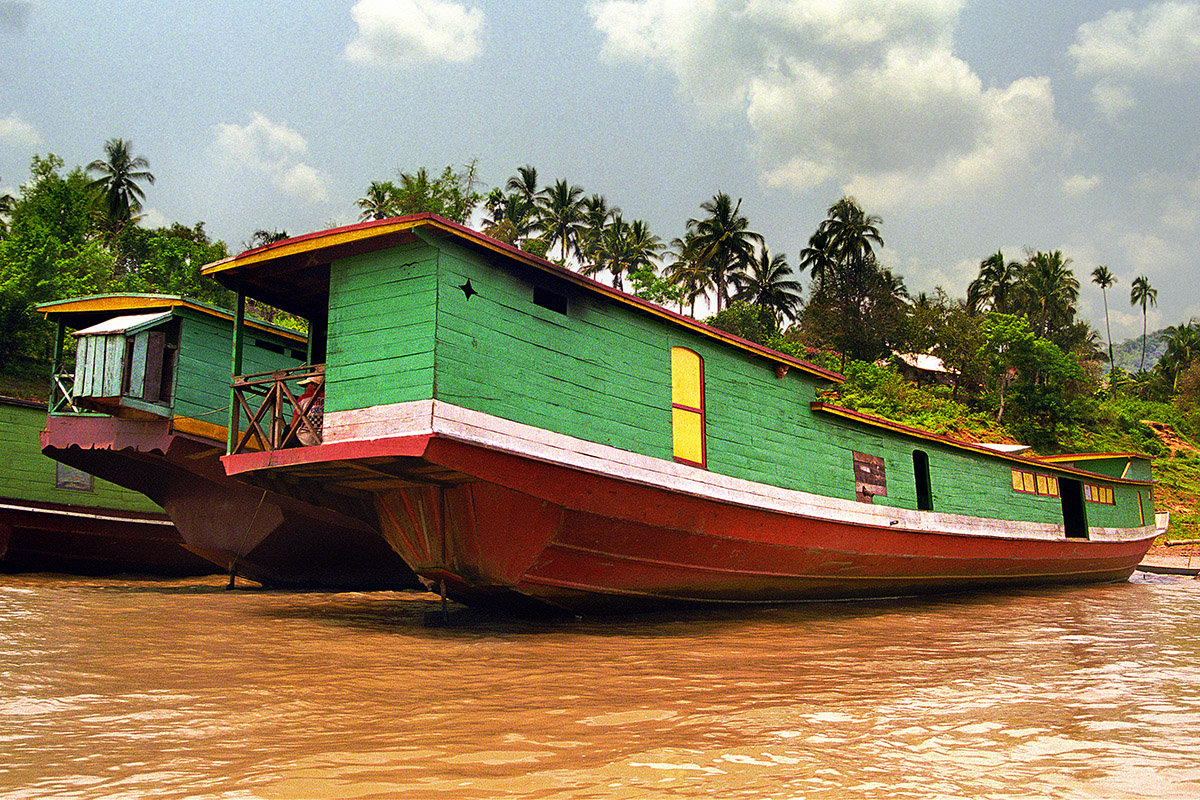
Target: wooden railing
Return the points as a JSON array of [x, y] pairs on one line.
[[62, 395], [275, 416]]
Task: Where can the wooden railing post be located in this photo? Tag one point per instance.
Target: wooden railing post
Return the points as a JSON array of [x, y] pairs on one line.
[[239, 319]]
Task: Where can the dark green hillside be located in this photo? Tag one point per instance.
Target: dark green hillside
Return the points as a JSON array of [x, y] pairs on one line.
[[1128, 354]]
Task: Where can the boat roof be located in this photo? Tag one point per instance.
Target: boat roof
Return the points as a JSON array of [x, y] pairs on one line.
[[960, 444], [293, 274], [87, 314], [129, 323]]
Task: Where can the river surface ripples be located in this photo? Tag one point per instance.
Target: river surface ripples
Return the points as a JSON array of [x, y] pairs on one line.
[[130, 688]]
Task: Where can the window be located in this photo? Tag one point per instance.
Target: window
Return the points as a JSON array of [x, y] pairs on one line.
[[687, 406], [551, 301], [1094, 493], [921, 473], [76, 480], [1034, 483]]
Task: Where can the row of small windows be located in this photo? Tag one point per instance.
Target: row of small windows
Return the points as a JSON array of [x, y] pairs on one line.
[[1098, 494], [1034, 483], [1047, 485]]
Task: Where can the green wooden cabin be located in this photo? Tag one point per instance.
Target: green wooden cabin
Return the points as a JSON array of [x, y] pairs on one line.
[[422, 309], [160, 356]]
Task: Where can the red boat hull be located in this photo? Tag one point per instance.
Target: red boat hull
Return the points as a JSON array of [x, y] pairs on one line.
[[526, 532]]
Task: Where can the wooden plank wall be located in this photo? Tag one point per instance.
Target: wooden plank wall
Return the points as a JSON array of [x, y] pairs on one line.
[[202, 364], [381, 322], [29, 475], [601, 372]]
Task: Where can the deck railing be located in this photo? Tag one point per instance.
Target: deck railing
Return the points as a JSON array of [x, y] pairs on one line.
[[275, 416], [62, 395]]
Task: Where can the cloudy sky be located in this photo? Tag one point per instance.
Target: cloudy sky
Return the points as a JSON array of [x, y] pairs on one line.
[[967, 126]]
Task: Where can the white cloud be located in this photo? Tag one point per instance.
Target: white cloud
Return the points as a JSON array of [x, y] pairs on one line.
[[153, 218], [868, 92], [1158, 43], [400, 33], [16, 132], [272, 149], [1079, 185]]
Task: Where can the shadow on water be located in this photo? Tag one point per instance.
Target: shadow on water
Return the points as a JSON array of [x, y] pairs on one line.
[[420, 613]]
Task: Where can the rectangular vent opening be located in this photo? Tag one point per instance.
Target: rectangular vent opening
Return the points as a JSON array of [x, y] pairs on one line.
[[551, 301]]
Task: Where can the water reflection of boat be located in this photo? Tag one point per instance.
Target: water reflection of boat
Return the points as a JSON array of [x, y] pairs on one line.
[[529, 438], [54, 518], [146, 408]]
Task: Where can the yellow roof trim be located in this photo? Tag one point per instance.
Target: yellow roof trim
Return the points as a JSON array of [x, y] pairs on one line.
[[135, 302]]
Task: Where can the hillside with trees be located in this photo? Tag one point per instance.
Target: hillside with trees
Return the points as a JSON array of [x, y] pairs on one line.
[[1019, 365]]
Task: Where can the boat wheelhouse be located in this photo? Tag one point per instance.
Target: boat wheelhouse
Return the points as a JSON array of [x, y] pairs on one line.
[[527, 437], [146, 407]]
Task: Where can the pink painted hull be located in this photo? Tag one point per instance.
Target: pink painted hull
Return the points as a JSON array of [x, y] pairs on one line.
[[516, 532], [267, 537]]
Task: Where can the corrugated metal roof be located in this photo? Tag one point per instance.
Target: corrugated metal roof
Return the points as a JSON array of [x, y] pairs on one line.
[[130, 323]]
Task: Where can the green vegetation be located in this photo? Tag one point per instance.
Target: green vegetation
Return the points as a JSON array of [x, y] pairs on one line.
[[1018, 364]]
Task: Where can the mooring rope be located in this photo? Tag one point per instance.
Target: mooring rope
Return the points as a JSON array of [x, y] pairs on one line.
[[245, 536]]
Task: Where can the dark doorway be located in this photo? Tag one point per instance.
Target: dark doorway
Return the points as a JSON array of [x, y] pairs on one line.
[[1074, 514], [921, 471]]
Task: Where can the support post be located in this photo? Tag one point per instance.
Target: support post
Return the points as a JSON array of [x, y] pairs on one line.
[[60, 336], [239, 320]]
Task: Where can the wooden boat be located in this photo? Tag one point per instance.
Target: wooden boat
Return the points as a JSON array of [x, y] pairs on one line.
[[54, 518], [528, 438], [146, 408]]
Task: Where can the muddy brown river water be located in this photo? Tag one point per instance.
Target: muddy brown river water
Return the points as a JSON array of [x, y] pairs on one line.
[[130, 688]]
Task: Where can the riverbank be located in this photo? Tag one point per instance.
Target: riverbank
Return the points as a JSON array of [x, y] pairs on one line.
[[1177, 560]]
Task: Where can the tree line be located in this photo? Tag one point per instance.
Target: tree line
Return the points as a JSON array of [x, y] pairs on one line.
[[1012, 346]]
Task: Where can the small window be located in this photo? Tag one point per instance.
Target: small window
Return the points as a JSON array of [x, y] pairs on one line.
[[1034, 483], [551, 301], [1094, 493], [687, 406], [67, 477]]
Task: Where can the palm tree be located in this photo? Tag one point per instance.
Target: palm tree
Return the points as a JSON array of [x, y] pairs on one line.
[[851, 232], [1104, 279], [595, 216], [644, 247], [1049, 287], [1143, 294], [765, 283], [992, 288], [560, 215], [524, 183], [120, 173], [688, 273], [379, 201], [722, 240], [1183, 345]]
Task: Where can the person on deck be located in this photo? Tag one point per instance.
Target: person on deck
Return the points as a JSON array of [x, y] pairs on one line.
[[312, 405]]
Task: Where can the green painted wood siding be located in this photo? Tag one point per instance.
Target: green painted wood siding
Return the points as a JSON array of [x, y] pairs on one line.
[[381, 323], [29, 475], [202, 363], [401, 329]]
